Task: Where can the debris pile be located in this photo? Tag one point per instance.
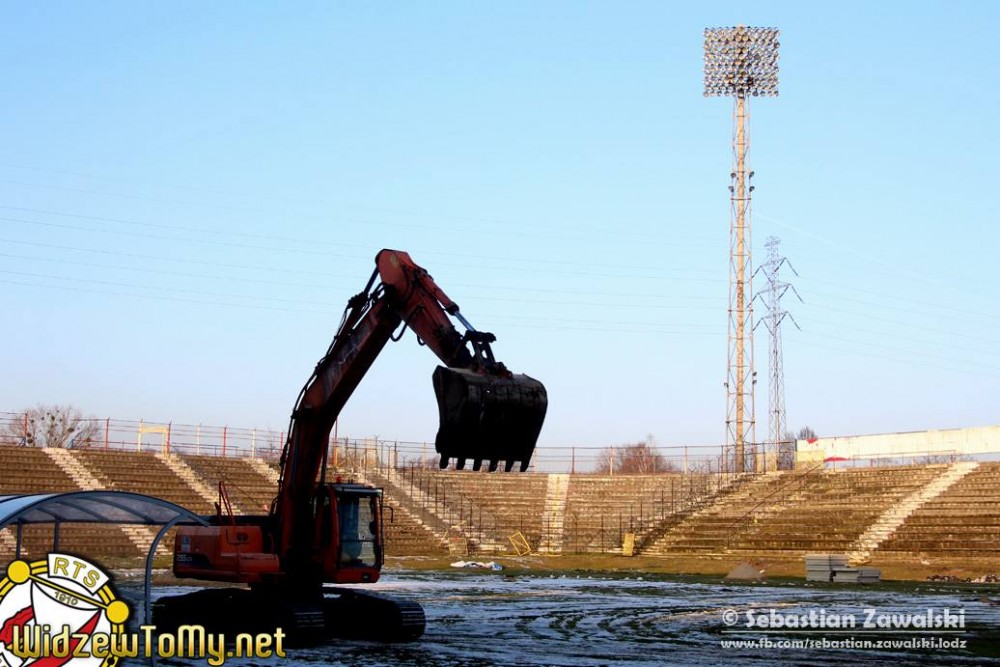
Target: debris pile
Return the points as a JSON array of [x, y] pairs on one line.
[[985, 579], [472, 564], [745, 572]]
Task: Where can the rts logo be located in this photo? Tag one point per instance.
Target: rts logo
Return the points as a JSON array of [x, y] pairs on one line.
[[57, 611]]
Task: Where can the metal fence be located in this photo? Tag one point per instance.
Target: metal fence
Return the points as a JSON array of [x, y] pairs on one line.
[[371, 453], [344, 452]]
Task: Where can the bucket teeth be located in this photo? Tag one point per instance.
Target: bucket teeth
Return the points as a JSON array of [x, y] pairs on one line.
[[488, 418]]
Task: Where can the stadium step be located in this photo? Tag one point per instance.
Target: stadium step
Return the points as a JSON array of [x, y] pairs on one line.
[[265, 470], [140, 536], [440, 525], [885, 526], [554, 513], [189, 476]]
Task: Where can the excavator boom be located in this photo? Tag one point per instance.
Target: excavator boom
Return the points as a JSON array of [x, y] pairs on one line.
[[486, 412]]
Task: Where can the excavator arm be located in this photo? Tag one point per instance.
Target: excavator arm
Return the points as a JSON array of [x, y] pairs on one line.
[[487, 413], [320, 532]]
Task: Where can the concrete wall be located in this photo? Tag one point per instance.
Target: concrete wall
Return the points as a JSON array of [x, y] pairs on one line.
[[900, 445]]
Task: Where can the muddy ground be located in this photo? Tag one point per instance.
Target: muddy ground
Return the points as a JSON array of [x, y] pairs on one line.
[[630, 611]]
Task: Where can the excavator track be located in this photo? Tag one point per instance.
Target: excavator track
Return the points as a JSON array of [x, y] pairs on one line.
[[354, 614], [341, 614]]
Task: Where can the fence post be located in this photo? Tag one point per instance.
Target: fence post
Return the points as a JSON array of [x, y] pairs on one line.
[[197, 439], [170, 425], [253, 443], [225, 432], [107, 431]]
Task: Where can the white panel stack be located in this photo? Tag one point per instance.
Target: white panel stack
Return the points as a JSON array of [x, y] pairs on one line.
[[820, 567], [833, 567], [869, 575]]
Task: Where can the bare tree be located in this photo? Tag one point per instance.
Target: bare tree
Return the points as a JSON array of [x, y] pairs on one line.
[[937, 459], [51, 426], [640, 457], [805, 433], [271, 449], [786, 455], [786, 449]]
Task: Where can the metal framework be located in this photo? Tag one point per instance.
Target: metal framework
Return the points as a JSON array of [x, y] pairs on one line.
[[780, 445], [740, 62]]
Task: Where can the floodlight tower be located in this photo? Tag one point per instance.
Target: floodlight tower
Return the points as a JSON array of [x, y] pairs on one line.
[[740, 62]]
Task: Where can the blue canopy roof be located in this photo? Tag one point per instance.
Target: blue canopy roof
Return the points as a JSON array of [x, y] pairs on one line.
[[92, 507]]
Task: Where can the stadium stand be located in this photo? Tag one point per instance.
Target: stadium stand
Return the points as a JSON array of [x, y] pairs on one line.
[[428, 510], [963, 520]]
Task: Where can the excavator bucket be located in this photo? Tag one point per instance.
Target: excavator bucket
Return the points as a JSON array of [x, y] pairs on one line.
[[487, 418]]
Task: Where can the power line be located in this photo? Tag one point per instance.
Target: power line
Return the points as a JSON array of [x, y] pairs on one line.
[[303, 241], [258, 268], [918, 361], [619, 328], [188, 274], [321, 253], [505, 224], [509, 228], [888, 270], [332, 305]]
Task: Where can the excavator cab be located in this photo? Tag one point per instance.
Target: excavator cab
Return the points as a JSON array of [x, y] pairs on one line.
[[487, 418], [350, 532]]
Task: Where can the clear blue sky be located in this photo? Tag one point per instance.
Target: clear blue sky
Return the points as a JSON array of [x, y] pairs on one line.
[[190, 191]]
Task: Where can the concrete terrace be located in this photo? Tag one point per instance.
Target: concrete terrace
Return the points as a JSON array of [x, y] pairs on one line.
[[937, 510]]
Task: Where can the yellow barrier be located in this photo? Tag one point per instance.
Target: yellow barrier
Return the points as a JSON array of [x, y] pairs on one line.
[[628, 545], [520, 544]]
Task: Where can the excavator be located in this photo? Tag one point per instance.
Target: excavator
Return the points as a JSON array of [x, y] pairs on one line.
[[319, 532]]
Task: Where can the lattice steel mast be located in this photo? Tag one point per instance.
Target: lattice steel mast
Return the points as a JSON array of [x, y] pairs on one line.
[[776, 314], [740, 62]]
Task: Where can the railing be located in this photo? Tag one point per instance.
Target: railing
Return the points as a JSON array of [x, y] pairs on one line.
[[429, 494], [689, 504], [778, 497], [441, 505], [17, 429]]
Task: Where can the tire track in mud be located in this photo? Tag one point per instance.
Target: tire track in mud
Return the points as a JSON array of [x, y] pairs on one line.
[[476, 620]]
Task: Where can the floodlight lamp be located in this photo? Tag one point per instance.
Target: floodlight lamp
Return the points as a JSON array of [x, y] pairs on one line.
[[741, 61]]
